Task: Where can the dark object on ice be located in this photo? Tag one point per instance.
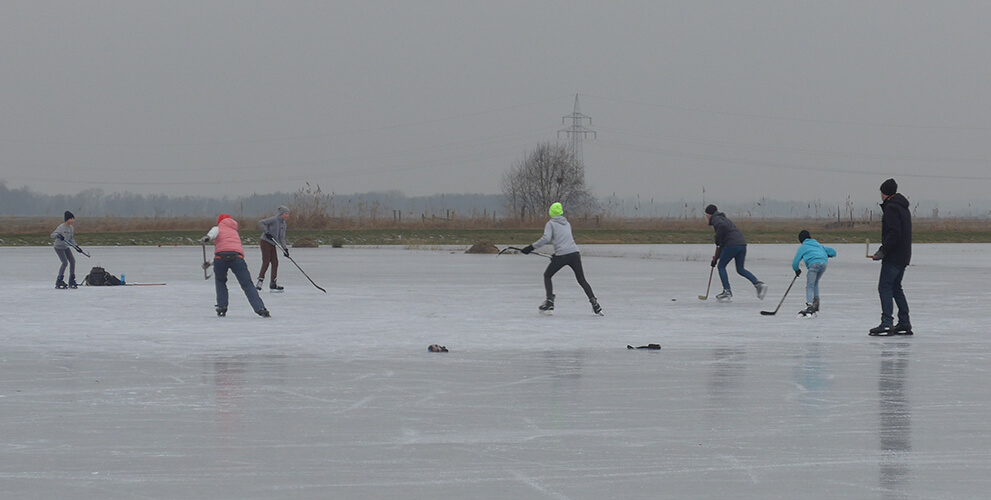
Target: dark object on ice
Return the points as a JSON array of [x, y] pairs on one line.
[[99, 276], [436, 348], [483, 246], [653, 347]]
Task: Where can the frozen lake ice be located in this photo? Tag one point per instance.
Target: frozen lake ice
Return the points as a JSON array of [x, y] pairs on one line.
[[142, 392]]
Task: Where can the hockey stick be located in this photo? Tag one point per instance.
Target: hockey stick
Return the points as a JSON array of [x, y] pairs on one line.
[[520, 250], [772, 313], [706, 296], [80, 250], [286, 250], [206, 264]]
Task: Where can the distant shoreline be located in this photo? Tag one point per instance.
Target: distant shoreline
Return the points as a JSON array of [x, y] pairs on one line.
[[756, 233]]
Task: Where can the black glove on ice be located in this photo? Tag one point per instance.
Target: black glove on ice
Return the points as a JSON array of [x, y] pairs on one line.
[[527, 249]]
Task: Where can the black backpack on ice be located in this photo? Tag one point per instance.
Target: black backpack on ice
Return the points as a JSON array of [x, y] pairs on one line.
[[99, 276]]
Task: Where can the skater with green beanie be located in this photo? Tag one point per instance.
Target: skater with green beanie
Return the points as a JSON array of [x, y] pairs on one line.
[[557, 231]]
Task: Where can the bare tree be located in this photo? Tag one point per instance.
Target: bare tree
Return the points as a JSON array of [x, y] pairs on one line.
[[547, 174]]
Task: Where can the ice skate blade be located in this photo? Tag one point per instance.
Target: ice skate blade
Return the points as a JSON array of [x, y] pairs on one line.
[[547, 313], [276, 291]]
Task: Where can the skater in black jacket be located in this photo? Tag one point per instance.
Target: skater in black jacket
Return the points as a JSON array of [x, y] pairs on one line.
[[895, 255]]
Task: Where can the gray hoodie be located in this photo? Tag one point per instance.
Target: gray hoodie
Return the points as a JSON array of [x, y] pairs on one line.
[[275, 225], [67, 232], [558, 232]]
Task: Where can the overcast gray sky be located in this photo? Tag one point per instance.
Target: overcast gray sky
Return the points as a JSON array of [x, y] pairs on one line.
[[792, 100]]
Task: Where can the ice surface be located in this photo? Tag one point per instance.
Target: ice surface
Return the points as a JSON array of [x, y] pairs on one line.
[[142, 392]]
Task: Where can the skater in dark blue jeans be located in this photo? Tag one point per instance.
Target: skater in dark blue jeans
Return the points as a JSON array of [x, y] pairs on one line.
[[229, 255], [730, 245], [895, 255]]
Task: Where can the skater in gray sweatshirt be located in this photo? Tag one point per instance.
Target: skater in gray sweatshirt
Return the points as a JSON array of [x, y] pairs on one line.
[[557, 231], [273, 238], [64, 236]]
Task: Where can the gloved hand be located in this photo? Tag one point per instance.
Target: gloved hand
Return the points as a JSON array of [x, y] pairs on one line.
[[269, 236], [204, 240], [285, 251], [798, 272], [713, 263], [206, 265], [879, 254], [527, 249], [78, 250], [59, 236]]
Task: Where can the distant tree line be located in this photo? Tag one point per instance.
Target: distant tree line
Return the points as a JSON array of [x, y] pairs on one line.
[[97, 203]]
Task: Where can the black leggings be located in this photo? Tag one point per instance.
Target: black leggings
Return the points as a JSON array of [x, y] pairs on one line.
[[573, 260]]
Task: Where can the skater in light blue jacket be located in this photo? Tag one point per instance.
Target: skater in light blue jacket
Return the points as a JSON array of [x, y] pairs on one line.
[[815, 256]]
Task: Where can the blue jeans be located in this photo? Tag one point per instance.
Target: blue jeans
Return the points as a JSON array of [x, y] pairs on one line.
[[889, 287], [240, 270], [738, 252], [812, 281]]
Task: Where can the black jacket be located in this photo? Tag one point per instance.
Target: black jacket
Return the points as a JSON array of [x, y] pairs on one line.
[[896, 230], [727, 235]]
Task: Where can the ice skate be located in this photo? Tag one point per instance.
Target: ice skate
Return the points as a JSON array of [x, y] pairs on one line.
[[72, 282], [263, 313], [761, 289], [221, 311], [547, 308], [724, 296], [258, 285], [274, 286], [60, 285], [596, 308], [903, 329], [882, 331], [808, 312]]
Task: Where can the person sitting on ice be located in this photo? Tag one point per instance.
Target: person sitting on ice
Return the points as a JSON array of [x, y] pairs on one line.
[[229, 255], [557, 231], [816, 256]]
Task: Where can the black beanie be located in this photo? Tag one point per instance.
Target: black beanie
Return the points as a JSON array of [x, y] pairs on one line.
[[803, 235], [68, 215], [889, 187], [711, 209]]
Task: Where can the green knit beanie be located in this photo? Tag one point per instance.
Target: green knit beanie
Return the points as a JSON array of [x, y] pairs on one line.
[[556, 210]]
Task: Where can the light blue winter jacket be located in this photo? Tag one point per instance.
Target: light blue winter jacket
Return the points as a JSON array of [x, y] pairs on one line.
[[557, 231], [812, 252]]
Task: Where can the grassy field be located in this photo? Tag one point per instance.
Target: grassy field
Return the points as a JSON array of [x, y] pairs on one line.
[[763, 233]]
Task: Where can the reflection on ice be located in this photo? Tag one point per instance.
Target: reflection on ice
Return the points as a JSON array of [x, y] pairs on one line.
[[895, 415]]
